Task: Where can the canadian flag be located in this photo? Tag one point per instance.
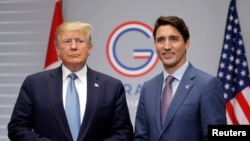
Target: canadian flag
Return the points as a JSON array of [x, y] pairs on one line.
[[52, 59]]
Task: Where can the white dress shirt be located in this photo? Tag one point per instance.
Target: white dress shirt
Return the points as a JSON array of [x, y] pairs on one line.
[[81, 86]]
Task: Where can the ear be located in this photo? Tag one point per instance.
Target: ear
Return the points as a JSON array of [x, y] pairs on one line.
[[57, 51], [187, 44], [90, 49]]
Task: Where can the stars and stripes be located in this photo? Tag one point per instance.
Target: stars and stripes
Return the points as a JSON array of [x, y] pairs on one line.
[[233, 71]]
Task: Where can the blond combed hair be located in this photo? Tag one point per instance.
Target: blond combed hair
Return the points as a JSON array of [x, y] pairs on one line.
[[86, 28]]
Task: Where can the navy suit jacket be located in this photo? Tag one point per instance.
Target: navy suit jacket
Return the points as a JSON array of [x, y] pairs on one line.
[[198, 102], [39, 113]]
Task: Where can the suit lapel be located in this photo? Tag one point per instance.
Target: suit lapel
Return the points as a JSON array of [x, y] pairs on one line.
[[55, 93], [182, 91], [93, 93], [157, 88]]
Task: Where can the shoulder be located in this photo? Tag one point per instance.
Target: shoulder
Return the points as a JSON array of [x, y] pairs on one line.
[[100, 75], [44, 74], [201, 75], [154, 80]]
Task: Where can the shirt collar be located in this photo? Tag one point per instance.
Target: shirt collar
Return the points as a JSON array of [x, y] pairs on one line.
[[178, 73], [80, 74]]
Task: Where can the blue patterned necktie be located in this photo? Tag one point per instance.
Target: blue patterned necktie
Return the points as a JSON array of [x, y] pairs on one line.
[[166, 97], [73, 107]]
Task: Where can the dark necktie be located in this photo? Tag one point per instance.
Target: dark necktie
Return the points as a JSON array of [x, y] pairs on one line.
[[166, 97], [73, 107]]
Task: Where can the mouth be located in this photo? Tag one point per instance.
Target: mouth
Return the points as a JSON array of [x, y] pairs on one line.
[[167, 54], [74, 55]]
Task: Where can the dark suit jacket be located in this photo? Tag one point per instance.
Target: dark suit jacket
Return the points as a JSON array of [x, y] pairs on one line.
[[39, 113], [198, 102]]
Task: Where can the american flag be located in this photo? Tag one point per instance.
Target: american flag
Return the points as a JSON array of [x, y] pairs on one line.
[[233, 71]]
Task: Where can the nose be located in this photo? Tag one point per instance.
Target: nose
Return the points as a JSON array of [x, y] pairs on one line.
[[73, 44], [167, 44]]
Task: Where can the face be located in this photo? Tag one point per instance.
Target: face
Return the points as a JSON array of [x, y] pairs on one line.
[[73, 48], [170, 47]]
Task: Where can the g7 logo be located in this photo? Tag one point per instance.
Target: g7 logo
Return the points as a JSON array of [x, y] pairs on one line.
[[148, 58]]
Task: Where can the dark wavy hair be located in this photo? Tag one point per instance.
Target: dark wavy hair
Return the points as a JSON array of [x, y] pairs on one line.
[[175, 21]]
